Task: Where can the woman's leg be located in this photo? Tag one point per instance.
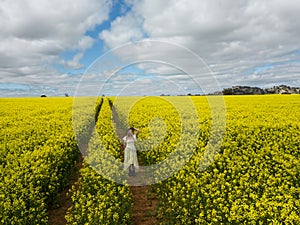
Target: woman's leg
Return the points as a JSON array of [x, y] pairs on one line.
[[131, 170]]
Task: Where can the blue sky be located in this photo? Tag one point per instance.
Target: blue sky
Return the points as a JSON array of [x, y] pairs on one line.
[[55, 46], [118, 8]]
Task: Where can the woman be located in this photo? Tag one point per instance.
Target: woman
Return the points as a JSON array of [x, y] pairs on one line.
[[130, 157]]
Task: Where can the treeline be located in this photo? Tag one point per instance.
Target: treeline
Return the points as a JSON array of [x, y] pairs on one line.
[[247, 90]]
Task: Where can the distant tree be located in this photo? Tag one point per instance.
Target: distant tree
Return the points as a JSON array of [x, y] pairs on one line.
[[227, 91], [43, 96], [66, 94]]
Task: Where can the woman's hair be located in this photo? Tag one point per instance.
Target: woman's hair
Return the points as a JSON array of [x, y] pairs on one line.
[[130, 133]]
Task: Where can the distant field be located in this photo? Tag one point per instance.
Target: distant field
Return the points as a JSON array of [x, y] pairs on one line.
[[253, 179]]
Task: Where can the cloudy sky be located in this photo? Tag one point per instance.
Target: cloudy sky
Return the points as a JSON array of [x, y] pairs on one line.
[[84, 46]]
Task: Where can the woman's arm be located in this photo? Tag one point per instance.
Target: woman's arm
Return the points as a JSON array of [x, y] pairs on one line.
[[137, 131]]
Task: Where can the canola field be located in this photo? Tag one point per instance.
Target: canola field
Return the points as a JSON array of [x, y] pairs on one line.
[[253, 178]]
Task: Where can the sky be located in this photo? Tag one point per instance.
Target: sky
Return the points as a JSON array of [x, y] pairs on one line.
[[143, 47]]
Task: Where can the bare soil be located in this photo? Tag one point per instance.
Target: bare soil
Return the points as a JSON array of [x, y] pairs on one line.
[[57, 215], [144, 206], [145, 201]]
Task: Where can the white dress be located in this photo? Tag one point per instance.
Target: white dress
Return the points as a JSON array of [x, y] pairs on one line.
[[130, 153]]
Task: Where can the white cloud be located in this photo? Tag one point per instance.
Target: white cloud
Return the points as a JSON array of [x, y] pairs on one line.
[[34, 33], [38, 19], [233, 36], [85, 43], [74, 63], [123, 30], [162, 63]]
